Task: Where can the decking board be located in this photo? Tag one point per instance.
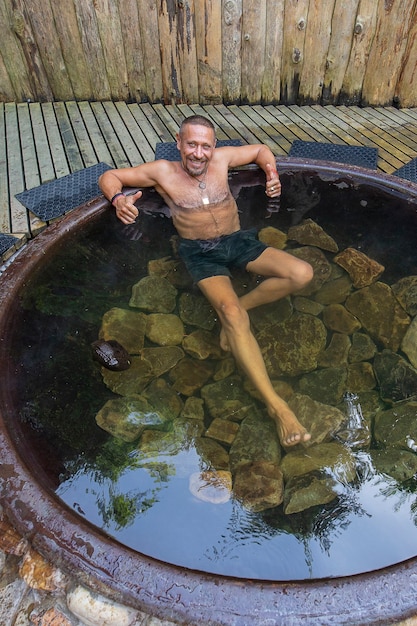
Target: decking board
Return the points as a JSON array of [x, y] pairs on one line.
[[69, 140], [81, 135], [5, 223], [122, 133], [57, 152], [98, 142], [44, 141], [16, 180]]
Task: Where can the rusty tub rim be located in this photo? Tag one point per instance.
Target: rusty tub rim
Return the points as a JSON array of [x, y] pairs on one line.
[[167, 591]]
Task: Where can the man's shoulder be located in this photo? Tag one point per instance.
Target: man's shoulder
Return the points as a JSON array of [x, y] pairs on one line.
[[162, 168], [235, 156], [225, 154], [164, 164]]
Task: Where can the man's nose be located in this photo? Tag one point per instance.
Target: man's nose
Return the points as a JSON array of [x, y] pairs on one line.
[[198, 152]]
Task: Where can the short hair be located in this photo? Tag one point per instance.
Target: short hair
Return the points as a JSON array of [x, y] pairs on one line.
[[197, 120]]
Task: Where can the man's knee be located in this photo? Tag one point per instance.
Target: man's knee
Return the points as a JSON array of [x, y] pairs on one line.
[[302, 274], [233, 316]]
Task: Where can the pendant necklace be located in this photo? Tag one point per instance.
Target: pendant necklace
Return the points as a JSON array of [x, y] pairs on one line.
[[204, 197], [201, 182]]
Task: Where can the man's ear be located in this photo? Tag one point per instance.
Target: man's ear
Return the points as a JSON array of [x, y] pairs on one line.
[[178, 139]]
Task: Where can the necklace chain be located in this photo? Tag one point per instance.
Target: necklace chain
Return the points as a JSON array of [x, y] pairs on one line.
[[201, 182], [202, 185]]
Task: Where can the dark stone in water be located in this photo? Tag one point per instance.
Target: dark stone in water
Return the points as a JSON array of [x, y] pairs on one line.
[[111, 354]]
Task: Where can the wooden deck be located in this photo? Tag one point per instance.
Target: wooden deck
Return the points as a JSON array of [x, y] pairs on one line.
[[40, 142]]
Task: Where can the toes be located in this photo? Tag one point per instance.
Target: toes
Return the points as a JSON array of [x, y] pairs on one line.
[[294, 438]]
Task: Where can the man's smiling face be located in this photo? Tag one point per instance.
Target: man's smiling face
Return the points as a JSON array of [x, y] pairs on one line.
[[196, 144]]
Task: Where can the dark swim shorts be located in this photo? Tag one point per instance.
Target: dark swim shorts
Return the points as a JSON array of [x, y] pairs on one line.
[[213, 257]]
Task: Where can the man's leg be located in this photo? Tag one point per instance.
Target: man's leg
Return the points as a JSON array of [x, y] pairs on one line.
[[244, 347], [284, 274]]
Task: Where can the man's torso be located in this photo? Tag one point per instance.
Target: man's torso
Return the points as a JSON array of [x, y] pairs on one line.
[[197, 212]]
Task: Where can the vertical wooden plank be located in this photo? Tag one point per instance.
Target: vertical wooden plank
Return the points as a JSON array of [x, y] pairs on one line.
[[231, 47], [187, 50], [406, 92], [253, 50], [22, 27], [364, 30], [343, 24], [49, 48], [131, 37], [7, 93], [12, 53], [274, 37], [171, 70], [295, 23], [388, 47], [90, 37], [208, 21], [66, 24], [110, 30], [148, 24], [178, 49], [316, 46]]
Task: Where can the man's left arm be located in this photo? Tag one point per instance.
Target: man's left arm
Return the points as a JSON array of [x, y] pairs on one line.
[[266, 161], [264, 158]]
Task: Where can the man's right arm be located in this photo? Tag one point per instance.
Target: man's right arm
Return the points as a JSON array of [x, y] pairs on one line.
[[112, 183]]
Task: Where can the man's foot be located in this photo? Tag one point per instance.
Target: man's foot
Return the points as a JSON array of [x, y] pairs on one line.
[[290, 431]]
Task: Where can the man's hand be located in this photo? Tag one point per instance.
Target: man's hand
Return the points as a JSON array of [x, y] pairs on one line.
[[273, 183], [125, 207]]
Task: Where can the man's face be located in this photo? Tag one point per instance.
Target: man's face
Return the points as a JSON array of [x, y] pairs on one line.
[[196, 144]]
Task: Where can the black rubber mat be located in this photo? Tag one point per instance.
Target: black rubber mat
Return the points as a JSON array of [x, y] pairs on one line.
[[363, 156], [169, 150], [408, 171], [6, 242], [53, 199]]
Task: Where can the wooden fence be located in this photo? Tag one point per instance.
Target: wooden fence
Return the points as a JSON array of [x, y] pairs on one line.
[[210, 51]]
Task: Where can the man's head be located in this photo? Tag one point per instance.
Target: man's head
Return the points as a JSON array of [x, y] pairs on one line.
[[197, 120], [196, 141]]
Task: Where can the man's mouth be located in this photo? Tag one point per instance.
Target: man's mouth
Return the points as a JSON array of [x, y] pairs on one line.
[[197, 161], [196, 165]]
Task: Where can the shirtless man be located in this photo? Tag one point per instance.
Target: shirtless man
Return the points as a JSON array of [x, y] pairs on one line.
[[205, 215]]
